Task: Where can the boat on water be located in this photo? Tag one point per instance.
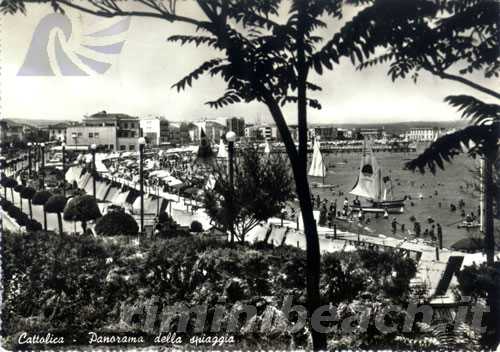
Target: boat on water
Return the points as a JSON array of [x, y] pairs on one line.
[[377, 190], [318, 167], [469, 225]]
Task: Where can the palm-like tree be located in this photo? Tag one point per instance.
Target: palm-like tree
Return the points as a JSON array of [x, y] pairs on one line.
[[28, 193], [19, 189], [40, 198], [55, 204]]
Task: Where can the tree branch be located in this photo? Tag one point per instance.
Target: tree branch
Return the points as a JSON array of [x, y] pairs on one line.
[[467, 82], [119, 13]]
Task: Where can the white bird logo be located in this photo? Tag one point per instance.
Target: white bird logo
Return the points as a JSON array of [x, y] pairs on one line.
[[52, 53]]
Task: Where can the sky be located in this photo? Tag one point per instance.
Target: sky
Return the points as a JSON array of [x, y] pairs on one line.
[[143, 66]]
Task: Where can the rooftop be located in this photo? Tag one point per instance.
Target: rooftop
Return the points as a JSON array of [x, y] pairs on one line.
[[105, 115]]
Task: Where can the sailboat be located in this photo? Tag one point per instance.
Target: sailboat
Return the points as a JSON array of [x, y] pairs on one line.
[[222, 153], [375, 188], [318, 167], [267, 148]]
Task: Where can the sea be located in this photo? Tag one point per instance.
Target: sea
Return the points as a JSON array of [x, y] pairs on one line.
[[431, 195]]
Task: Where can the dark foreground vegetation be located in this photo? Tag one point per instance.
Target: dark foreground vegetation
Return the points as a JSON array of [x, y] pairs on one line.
[[72, 285]]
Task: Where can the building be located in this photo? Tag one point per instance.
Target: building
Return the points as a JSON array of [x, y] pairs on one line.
[[326, 133], [109, 130], [237, 125], [12, 131], [156, 130], [214, 131], [252, 133], [57, 132], [423, 134], [371, 133]]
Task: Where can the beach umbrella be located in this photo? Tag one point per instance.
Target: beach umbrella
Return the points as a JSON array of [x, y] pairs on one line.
[[468, 244]]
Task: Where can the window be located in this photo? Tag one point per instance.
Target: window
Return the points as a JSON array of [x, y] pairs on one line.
[[111, 147], [131, 147], [79, 134], [96, 134], [91, 135], [123, 147], [125, 125]]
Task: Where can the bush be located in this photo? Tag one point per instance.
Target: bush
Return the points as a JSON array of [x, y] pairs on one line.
[[18, 188], [33, 225], [21, 218], [82, 208], [116, 223], [55, 204], [41, 197], [196, 226], [28, 193]]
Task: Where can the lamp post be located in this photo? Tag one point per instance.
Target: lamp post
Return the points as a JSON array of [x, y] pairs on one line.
[[142, 143], [42, 172], [35, 157], [230, 138], [63, 149], [74, 135], [29, 160], [93, 148]]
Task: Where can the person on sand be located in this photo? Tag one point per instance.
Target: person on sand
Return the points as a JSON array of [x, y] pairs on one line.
[[416, 228], [394, 225]]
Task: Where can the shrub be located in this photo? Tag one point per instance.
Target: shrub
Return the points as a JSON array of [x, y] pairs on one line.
[[33, 225], [41, 197], [28, 192], [56, 204], [82, 208], [116, 223], [18, 188], [196, 226]]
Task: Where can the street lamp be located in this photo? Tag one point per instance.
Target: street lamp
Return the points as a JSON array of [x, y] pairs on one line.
[[42, 172], [142, 143], [74, 135], [231, 138], [29, 160], [93, 148], [63, 149]]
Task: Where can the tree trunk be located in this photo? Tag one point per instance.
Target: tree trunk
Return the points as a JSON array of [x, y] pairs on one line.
[[313, 253], [60, 223], [5, 193], [31, 209], [44, 219], [84, 227], [12, 195], [310, 230], [21, 203], [489, 240]]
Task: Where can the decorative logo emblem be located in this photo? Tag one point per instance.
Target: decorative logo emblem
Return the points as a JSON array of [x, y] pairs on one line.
[[53, 51]]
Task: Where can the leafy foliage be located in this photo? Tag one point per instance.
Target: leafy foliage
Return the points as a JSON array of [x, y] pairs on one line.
[[69, 284], [260, 188], [41, 197], [117, 223], [82, 208], [426, 35], [196, 226], [55, 204], [28, 192], [477, 280], [474, 139], [472, 108]]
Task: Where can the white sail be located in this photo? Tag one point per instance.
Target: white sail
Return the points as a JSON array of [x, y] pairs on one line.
[[369, 184], [222, 153], [267, 148], [318, 168]]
